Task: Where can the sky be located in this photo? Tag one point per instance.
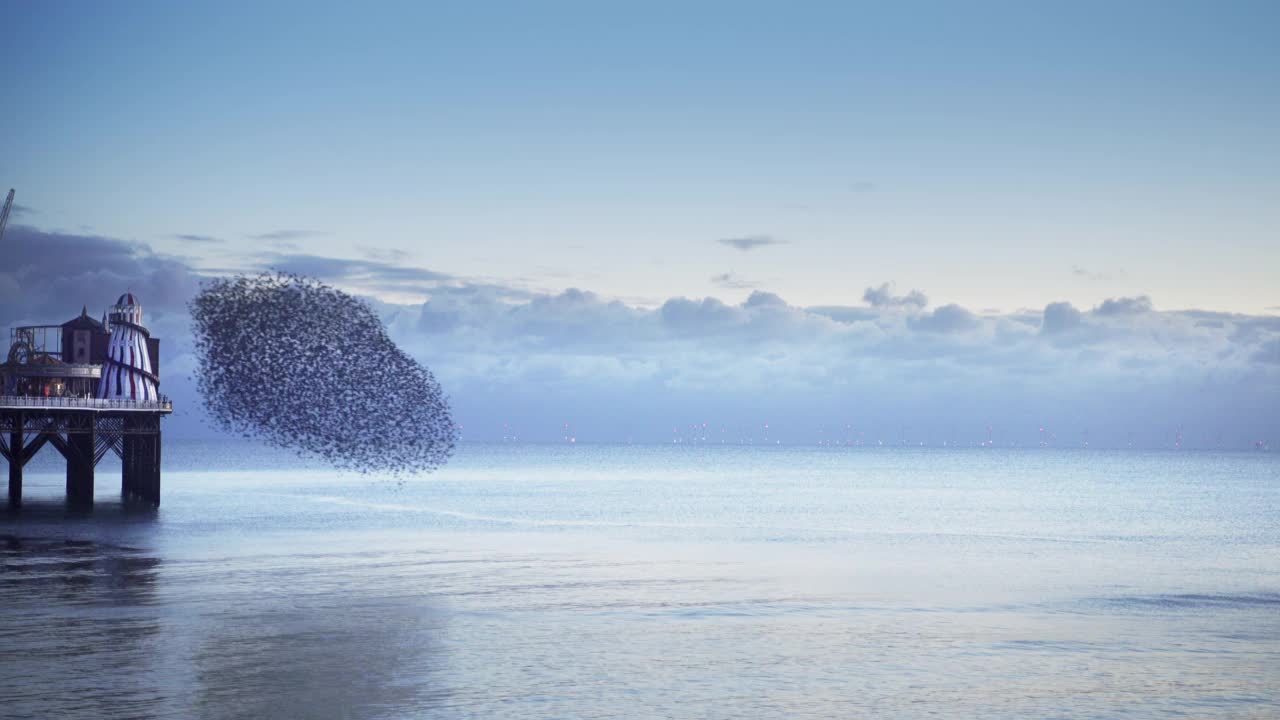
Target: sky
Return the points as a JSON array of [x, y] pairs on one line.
[[914, 220]]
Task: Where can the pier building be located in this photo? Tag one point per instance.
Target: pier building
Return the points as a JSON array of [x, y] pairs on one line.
[[86, 387]]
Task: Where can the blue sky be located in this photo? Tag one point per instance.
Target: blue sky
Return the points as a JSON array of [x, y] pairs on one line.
[[998, 157]]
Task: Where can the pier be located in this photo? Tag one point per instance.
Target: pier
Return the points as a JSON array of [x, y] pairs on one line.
[[85, 388], [83, 431]]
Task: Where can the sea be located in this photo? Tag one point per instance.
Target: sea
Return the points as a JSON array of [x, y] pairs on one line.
[[617, 581]]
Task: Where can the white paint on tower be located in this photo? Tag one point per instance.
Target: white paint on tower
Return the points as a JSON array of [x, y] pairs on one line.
[[127, 373]]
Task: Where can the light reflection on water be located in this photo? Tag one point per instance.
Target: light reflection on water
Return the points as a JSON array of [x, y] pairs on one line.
[[617, 582]]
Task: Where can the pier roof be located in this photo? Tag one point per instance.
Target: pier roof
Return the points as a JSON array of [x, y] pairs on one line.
[[82, 322]]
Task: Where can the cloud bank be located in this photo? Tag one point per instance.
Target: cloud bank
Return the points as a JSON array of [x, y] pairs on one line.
[[888, 369]]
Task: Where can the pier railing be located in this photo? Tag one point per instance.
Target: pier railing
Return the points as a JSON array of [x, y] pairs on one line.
[[71, 403]]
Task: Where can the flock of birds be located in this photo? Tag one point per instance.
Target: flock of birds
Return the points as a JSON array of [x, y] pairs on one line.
[[304, 366]]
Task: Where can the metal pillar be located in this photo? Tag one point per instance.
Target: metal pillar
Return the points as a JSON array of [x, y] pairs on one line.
[[16, 445], [80, 462], [155, 467], [128, 481], [140, 460]]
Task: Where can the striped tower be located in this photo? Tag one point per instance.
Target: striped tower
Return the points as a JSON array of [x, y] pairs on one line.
[[127, 373]]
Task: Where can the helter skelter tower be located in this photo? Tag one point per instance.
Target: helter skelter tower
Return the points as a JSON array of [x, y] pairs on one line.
[[127, 372]]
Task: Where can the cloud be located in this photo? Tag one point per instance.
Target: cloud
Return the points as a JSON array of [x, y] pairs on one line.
[[730, 281], [704, 317], [1090, 274], [52, 269], [1060, 317], [1269, 352], [761, 299], [1124, 306], [207, 239], [391, 255], [617, 369], [883, 297], [372, 276], [751, 242], [946, 319], [287, 235], [844, 314]]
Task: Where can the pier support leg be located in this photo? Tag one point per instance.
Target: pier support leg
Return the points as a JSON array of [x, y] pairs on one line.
[[15, 465], [80, 467], [16, 446], [155, 472], [140, 464], [128, 480]]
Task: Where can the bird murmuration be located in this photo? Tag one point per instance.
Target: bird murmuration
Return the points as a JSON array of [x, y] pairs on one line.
[[304, 366]]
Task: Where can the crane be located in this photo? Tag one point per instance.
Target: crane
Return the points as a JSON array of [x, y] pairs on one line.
[[4, 214]]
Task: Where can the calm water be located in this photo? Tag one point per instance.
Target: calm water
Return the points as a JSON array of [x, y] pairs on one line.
[[601, 582]]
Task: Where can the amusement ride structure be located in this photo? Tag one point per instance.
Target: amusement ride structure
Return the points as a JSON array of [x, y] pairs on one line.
[[87, 388]]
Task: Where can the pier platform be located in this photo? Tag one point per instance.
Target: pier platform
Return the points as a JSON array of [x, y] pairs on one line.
[[83, 431]]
